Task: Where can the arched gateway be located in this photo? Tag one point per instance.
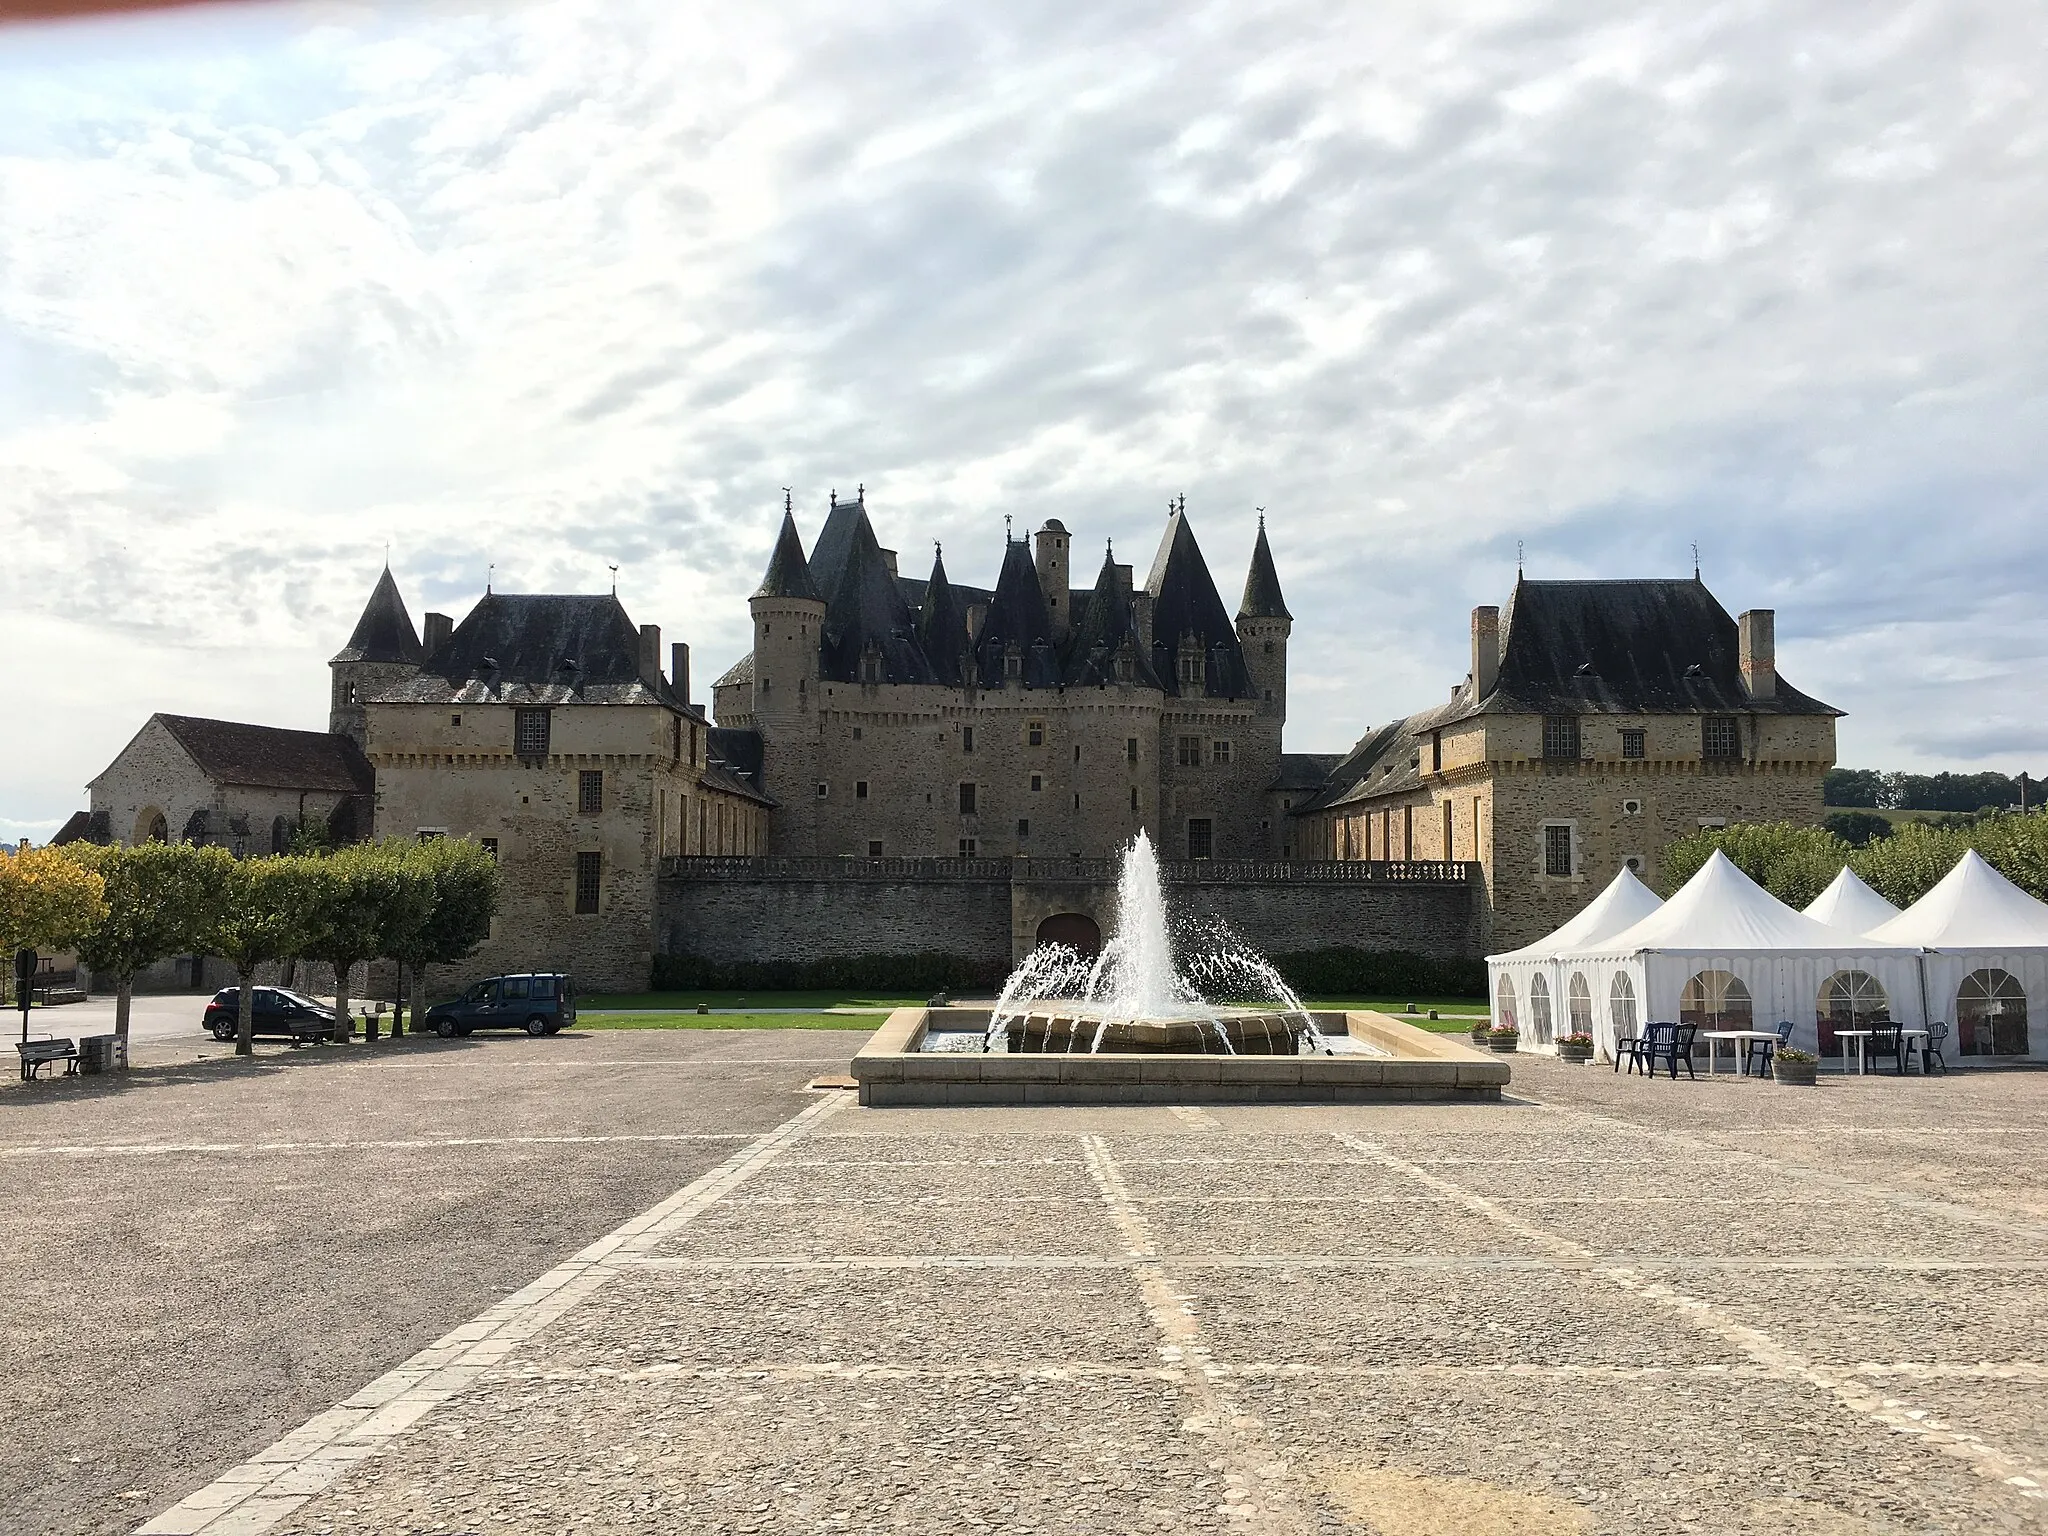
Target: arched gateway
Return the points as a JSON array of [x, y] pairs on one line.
[[1074, 929]]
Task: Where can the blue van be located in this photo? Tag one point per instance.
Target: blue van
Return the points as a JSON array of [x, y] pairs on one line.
[[539, 1002]]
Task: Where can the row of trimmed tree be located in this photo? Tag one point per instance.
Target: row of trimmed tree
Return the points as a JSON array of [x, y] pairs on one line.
[[123, 909], [1795, 863]]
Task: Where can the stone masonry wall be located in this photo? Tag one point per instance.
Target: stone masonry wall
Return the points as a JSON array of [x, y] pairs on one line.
[[770, 919]]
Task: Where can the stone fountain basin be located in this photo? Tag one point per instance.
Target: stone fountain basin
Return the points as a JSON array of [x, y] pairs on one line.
[[1068, 1026], [891, 1069]]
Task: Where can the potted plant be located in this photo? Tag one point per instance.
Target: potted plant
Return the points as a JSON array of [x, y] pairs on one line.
[[1790, 1066], [1577, 1046], [1506, 1038], [1480, 1030]]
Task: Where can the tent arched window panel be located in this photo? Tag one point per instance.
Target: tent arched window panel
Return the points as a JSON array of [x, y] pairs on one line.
[[1991, 1015], [1716, 1000], [1579, 996], [1621, 1004], [1539, 1008], [1849, 1000], [1504, 1003]]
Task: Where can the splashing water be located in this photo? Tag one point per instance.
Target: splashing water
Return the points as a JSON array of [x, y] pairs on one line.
[[1135, 978]]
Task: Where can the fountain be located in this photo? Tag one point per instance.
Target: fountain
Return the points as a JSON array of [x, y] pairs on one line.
[[1140, 1024], [1133, 997]]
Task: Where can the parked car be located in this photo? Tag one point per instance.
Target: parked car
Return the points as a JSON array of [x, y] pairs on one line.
[[539, 1002], [275, 1011]]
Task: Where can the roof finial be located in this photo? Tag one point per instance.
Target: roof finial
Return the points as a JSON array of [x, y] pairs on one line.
[[787, 500], [1518, 559], [1006, 527], [835, 495], [615, 581], [861, 493], [1109, 549], [1695, 559], [1262, 518], [490, 571], [1183, 503], [387, 554]]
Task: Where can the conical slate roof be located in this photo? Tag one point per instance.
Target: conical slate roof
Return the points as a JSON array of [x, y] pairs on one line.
[[1184, 602], [1850, 905], [942, 627], [1722, 911], [865, 613], [384, 632], [788, 575], [1106, 629], [1017, 617], [1625, 902], [1973, 906], [1262, 599]]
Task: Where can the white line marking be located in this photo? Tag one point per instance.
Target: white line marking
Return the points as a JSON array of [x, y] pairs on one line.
[[168, 1148], [1838, 1382], [1256, 1493], [273, 1483]]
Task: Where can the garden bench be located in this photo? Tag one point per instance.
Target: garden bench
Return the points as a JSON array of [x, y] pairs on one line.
[[37, 1054]]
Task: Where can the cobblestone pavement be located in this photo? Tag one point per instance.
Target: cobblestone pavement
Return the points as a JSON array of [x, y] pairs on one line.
[[202, 1252], [1618, 1306]]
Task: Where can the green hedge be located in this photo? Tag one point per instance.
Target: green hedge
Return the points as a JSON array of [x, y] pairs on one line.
[[869, 973], [1344, 972], [1313, 973]]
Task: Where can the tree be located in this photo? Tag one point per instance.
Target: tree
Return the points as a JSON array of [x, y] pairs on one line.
[[358, 898], [1852, 787], [1905, 866], [47, 901], [2017, 847], [463, 881], [160, 901], [1792, 861], [262, 916], [1856, 828]]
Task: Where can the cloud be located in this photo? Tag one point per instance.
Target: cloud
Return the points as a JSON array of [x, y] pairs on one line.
[[553, 286]]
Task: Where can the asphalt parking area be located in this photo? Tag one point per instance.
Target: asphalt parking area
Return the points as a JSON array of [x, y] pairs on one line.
[[205, 1252]]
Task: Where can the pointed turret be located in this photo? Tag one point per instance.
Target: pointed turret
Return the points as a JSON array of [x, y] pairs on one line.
[[870, 635], [1015, 644], [384, 649], [1106, 647], [942, 626], [788, 575], [1195, 649], [1262, 599]]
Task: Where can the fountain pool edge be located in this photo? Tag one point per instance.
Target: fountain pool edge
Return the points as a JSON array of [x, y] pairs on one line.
[[892, 1071]]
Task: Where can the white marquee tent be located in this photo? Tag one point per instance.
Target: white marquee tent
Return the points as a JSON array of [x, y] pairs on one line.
[[1529, 986], [1850, 905], [1725, 953], [1986, 961]]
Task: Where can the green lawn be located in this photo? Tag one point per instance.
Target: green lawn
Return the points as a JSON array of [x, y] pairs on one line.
[[862, 1022], [1399, 1005], [686, 1001]]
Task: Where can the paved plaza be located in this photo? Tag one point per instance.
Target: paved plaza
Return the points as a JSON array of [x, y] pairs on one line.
[[1615, 1306]]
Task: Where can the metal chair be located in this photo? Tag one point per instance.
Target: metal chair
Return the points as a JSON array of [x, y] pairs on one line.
[[1931, 1047], [1885, 1039], [1760, 1052], [1669, 1043]]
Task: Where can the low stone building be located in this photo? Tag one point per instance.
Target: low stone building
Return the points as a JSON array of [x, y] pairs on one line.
[[1601, 720], [544, 727]]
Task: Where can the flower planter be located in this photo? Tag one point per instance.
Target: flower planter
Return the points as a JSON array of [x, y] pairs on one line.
[[1504, 1043], [1578, 1053], [1800, 1074], [1479, 1035]]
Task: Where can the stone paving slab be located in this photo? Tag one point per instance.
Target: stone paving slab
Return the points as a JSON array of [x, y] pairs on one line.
[[1289, 1227], [791, 1231], [972, 1182], [1764, 1227]]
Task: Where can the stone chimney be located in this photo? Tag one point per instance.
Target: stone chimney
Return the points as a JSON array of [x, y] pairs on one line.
[[650, 654], [1485, 651], [1757, 630], [439, 628], [679, 670]]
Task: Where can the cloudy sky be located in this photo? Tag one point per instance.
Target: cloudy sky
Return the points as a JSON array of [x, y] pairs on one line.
[[561, 286]]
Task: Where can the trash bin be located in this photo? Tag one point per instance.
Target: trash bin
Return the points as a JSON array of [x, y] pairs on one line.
[[102, 1053]]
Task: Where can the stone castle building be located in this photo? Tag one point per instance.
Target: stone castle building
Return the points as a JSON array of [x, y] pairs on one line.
[[1600, 721], [899, 717]]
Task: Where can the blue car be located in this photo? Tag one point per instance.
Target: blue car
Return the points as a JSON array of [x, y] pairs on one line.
[[539, 1002]]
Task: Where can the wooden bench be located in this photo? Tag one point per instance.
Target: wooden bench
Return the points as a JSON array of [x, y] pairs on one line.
[[37, 1054]]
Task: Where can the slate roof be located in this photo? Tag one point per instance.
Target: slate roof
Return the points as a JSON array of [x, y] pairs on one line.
[[515, 648], [864, 608], [942, 626], [735, 758], [1017, 617], [741, 671], [1184, 601], [1105, 629], [1625, 647], [76, 829], [1305, 770], [384, 632], [1262, 599], [788, 574], [263, 756]]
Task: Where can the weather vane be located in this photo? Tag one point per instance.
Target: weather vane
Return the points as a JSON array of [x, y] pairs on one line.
[[615, 580], [786, 500], [490, 574], [1695, 559], [1262, 515], [1518, 559]]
